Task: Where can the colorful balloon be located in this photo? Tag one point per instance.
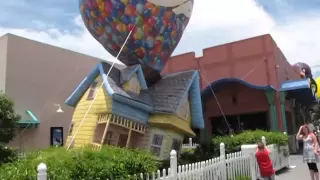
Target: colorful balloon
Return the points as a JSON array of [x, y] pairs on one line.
[[157, 27]]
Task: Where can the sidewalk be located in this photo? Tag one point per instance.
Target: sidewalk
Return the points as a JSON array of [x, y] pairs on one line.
[[300, 172]]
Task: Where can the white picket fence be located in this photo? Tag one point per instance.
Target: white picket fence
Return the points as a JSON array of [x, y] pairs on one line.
[[224, 167], [190, 145]]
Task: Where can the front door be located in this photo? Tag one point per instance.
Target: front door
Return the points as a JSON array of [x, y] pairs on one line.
[[122, 142], [56, 136]]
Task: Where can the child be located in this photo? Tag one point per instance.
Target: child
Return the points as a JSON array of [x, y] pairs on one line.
[[264, 162]]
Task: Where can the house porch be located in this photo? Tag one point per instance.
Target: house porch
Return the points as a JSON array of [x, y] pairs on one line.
[[117, 131]]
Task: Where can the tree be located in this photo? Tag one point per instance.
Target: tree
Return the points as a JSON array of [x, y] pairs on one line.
[[317, 111], [8, 119], [315, 114]]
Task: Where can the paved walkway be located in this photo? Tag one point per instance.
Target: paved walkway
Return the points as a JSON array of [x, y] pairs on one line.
[[300, 172]]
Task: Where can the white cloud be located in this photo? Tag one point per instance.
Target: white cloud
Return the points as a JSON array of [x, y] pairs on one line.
[[213, 22]]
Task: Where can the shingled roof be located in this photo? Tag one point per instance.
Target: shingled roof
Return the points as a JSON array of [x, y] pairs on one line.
[[167, 93]]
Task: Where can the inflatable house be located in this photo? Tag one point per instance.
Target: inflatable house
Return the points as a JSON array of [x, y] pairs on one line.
[[126, 113]]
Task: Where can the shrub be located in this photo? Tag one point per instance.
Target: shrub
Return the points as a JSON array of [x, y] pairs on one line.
[[109, 163], [7, 155], [233, 144], [201, 153]]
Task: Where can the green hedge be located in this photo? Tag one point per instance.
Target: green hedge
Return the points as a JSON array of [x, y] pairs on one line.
[[109, 163], [233, 144]]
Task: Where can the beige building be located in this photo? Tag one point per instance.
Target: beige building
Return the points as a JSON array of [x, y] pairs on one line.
[[39, 78]]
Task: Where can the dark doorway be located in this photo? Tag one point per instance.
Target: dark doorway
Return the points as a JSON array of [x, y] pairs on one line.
[[239, 123], [122, 142], [56, 136]]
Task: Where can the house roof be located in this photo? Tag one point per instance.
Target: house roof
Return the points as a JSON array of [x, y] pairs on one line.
[[167, 93], [165, 96], [112, 85]]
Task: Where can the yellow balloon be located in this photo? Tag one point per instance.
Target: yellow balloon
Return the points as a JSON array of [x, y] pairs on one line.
[[318, 85]]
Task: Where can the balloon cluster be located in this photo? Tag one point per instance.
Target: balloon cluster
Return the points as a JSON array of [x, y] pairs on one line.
[[156, 30]]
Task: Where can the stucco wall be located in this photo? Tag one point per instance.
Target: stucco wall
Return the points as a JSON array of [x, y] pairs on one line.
[[237, 59], [39, 76], [3, 61], [247, 101]]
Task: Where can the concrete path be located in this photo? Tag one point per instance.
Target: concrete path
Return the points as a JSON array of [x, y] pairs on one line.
[[300, 172]]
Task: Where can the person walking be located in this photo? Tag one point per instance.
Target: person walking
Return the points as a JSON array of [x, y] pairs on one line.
[[310, 150]]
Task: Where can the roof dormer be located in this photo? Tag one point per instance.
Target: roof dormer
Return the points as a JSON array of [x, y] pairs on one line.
[[132, 79]]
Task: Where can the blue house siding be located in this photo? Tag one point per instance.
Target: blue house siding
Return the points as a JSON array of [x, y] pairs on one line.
[[129, 112]]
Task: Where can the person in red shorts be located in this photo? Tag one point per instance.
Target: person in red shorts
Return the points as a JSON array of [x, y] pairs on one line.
[[264, 162]]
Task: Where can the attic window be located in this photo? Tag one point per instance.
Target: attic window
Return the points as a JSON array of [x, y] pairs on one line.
[[134, 85], [92, 90], [183, 112]]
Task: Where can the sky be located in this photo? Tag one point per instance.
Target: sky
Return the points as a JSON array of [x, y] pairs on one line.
[[294, 24]]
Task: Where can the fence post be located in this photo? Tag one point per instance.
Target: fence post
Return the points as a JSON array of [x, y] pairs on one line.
[[173, 165], [223, 161], [253, 167], [263, 139], [42, 172], [190, 142]]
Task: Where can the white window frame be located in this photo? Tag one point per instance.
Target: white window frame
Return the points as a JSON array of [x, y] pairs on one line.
[[134, 84], [180, 144], [184, 107], [156, 145], [92, 90]]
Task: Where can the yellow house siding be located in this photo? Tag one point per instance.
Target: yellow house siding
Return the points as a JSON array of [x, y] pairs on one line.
[[167, 144], [102, 104], [144, 142], [170, 121]]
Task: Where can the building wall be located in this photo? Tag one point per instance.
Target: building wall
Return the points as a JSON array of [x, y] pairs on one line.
[[256, 60], [251, 60], [247, 101], [39, 76], [102, 104], [3, 61]]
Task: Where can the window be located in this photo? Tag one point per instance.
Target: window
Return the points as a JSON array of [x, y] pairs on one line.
[[183, 112], [134, 85], [92, 90], [176, 145], [156, 144], [56, 136], [71, 128], [108, 138]]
